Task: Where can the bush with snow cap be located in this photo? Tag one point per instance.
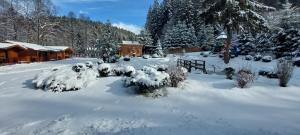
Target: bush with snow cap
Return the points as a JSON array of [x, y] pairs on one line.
[[100, 61], [64, 79], [118, 70], [148, 80], [126, 58], [249, 57], [89, 64], [162, 68], [257, 57], [129, 71], [267, 59], [79, 67], [244, 77], [104, 69]]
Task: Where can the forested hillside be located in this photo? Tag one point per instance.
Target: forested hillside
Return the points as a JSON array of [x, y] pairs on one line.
[[37, 22]]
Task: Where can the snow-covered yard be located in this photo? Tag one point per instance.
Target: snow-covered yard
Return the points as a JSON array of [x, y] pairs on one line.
[[205, 104]]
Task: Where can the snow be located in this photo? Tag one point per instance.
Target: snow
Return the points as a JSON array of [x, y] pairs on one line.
[[222, 36], [205, 104], [130, 43], [6, 45], [58, 48], [30, 46]]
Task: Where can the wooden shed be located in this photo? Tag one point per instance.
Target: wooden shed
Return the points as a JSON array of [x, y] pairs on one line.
[[59, 52], [131, 48], [9, 53]]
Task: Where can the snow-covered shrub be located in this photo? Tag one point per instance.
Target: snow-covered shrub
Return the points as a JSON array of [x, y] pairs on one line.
[[257, 57], [118, 70], [126, 58], [129, 71], [244, 77], [156, 56], [177, 75], [148, 80], [100, 61], [162, 68], [79, 67], [249, 57], [285, 71], [229, 72], [64, 79], [268, 74], [267, 59], [297, 62], [146, 56], [104, 69], [89, 64]]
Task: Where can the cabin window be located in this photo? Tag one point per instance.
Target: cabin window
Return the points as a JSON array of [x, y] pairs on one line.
[[2, 55]]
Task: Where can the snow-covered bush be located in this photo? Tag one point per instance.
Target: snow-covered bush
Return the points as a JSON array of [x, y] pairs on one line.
[[268, 74], [162, 68], [229, 72], [244, 77], [129, 71], [104, 70], [285, 71], [177, 75], [257, 57], [267, 59], [100, 61], [249, 57], [146, 56], [126, 58], [297, 62], [118, 70], [64, 79], [79, 67], [148, 80], [156, 56], [89, 64]]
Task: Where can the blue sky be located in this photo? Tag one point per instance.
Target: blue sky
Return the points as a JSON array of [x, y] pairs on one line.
[[127, 14]]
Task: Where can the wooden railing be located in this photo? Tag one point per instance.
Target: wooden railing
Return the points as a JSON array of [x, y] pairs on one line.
[[189, 64]]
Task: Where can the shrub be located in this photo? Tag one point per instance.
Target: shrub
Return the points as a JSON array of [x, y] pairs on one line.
[[244, 77], [119, 71], [79, 67], [89, 64], [268, 74], [285, 69], [297, 63], [148, 80], [249, 57], [146, 56], [126, 58], [267, 59], [100, 61], [257, 57], [64, 79], [229, 72], [129, 71], [104, 70], [162, 68], [177, 75]]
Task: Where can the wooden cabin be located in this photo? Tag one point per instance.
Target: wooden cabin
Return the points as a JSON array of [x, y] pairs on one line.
[[9, 53], [131, 48], [18, 52]]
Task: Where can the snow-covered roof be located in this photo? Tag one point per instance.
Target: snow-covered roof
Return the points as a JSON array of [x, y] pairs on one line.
[[30, 46], [130, 43], [222, 36], [57, 48], [8, 45]]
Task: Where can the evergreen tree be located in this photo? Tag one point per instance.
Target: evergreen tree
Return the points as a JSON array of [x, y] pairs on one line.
[[206, 38], [180, 35], [246, 43], [236, 15], [145, 38]]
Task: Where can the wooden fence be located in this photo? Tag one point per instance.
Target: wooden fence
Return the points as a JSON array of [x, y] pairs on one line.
[[189, 64]]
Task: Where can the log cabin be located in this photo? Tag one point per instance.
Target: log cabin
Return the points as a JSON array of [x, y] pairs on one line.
[[131, 48], [12, 52]]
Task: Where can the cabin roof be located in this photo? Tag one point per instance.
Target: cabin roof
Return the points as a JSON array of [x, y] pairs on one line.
[[130, 43], [30, 46], [58, 48], [9, 45]]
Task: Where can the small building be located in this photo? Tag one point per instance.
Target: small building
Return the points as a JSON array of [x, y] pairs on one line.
[[131, 48], [19, 52], [9, 53]]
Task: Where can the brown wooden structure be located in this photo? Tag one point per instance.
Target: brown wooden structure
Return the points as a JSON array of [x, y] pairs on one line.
[[13, 52], [189, 64], [131, 48]]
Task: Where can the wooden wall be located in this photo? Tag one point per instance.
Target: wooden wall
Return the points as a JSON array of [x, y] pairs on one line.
[[130, 50]]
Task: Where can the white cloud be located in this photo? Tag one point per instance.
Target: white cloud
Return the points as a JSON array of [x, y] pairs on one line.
[[130, 27], [83, 12]]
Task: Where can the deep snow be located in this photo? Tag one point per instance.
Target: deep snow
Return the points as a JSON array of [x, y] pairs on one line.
[[205, 104]]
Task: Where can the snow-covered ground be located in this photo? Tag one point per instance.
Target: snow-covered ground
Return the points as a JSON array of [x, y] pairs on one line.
[[205, 104]]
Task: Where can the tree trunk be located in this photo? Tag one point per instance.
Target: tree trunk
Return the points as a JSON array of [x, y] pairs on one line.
[[228, 45]]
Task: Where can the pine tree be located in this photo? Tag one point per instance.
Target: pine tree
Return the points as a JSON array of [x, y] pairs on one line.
[[180, 35], [237, 15], [145, 38], [246, 43], [206, 38]]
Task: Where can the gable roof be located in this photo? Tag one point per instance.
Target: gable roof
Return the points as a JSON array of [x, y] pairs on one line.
[[58, 48], [130, 43], [29, 46], [9, 45]]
